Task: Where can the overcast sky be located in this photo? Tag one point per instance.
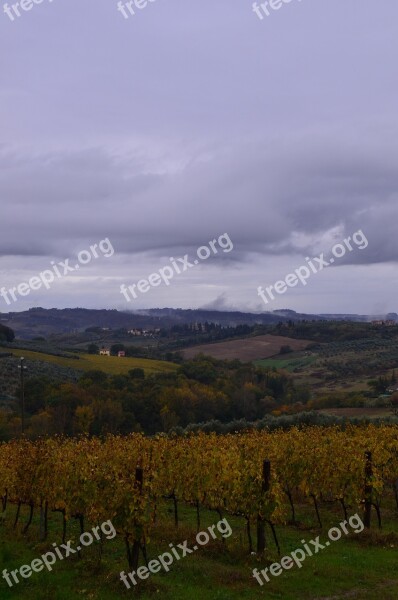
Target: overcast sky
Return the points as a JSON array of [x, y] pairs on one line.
[[189, 120]]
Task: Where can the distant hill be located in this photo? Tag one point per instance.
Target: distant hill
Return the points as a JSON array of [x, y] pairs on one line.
[[45, 322]]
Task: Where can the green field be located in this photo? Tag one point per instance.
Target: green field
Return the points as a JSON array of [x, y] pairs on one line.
[[109, 364], [360, 566], [289, 364]]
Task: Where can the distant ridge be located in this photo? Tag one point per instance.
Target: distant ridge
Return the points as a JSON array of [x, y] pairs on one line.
[[44, 322]]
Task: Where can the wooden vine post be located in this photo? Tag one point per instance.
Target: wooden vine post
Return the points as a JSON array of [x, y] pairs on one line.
[[133, 552], [265, 486], [368, 489]]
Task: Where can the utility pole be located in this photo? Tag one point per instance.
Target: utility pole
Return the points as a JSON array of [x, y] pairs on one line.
[[23, 368]]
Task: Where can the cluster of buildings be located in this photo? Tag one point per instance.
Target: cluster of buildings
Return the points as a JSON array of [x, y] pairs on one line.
[[144, 332], [388, 323], [136, 332], [107, 352]]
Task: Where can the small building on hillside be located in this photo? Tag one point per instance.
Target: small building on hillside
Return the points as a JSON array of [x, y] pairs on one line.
[[121, 354], [105, 352]]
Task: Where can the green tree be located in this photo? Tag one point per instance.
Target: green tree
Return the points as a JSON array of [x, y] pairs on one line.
[[115, 348], [137, 374], [394, 404], [93, 349], [6, 334]]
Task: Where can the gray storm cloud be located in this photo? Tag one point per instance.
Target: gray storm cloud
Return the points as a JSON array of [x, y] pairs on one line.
[[260, 197], [190, 120]]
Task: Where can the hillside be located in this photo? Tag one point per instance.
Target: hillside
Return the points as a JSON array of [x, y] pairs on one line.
[[46, 322], [255, 348], [58, 368], [109, 364]]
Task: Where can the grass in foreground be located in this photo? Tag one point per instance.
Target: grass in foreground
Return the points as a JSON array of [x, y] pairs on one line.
[[359, 566]]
